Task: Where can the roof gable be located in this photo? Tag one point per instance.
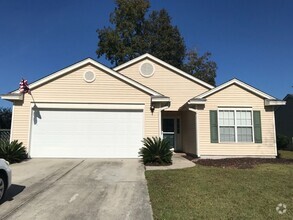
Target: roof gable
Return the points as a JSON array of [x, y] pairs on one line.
[[164, 64], [77, 65], [289, 96], [240, 84]]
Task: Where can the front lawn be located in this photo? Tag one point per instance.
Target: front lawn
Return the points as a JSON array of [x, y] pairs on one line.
[[204, 192], [285, 154]]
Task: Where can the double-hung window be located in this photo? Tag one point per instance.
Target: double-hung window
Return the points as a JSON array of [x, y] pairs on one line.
[[235, 125]]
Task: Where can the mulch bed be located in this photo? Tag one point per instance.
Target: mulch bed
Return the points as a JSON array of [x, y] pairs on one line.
[[240, 163], [158, 164]]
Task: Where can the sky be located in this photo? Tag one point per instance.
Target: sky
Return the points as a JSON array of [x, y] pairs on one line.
[[251, 40]]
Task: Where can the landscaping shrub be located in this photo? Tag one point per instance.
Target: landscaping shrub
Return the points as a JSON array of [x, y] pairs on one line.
[[156, 151], [13, 152], [282, 141]]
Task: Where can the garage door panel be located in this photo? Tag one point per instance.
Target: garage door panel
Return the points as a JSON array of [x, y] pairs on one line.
[[81, 133]]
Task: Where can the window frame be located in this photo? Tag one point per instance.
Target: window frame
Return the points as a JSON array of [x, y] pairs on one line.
[[235, 109]]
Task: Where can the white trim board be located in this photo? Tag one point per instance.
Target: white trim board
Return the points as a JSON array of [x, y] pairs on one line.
[[94, 63], [239, 83], [274, 102], [126, 106], [196, 102], [161, 99], [151, 57], [12, 97]]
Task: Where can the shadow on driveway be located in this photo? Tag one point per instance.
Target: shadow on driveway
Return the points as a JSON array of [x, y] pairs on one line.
[[13, 191]]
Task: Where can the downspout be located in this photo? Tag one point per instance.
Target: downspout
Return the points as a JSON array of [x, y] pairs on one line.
[[160, 119], [275, 137], [197, 130], [12, 124]]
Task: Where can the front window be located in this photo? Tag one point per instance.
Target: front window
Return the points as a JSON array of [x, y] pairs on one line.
[[235, 125]]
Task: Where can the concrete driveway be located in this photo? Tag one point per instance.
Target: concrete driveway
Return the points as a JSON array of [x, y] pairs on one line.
[[77, 189]]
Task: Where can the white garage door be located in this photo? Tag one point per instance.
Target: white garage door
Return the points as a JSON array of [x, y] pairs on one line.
[[86, 133]]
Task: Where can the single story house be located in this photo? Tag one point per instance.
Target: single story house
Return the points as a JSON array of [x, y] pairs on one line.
[[88, 110]]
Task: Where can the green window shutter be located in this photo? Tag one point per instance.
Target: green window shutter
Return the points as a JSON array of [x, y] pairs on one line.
[[257, 127], [214, 126]]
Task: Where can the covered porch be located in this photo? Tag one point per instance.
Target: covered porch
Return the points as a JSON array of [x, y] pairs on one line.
[[180, 128]]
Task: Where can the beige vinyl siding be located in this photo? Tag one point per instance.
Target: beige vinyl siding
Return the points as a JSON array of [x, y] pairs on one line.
[[20, 126], [189, 132], [71, 88], [234, 96], [166, 82]]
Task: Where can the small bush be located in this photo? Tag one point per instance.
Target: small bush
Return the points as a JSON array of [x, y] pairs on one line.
[[13, 152], [156, 151], [282, 141]]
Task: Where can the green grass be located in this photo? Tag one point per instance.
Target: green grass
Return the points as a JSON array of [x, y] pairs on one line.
[[216, 193], [286, 154]]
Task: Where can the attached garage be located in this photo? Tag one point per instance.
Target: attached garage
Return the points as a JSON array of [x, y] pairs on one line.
[[86, 133]]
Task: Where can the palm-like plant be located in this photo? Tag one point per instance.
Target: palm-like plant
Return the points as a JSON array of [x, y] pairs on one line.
[[156, 151], [13, 152]]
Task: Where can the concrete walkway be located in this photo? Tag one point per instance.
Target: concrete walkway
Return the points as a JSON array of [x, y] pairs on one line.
[[179, 162]]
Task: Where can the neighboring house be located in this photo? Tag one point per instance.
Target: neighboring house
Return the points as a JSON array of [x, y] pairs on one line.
[[88, 110], [284, 118]]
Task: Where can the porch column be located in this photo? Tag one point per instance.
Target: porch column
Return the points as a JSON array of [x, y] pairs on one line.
[[197, 130]]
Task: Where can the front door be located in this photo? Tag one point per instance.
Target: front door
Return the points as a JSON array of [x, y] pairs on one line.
[[168, 130], [171, 131]]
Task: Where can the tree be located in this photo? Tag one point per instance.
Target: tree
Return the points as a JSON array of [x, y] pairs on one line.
[[5, 118], [124, 42], [201, 67], [135, 34], [164, 40]]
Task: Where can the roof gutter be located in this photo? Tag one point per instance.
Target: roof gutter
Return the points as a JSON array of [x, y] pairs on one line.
[[12, 97], [196, 101], [157, 99], [271, 102]]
